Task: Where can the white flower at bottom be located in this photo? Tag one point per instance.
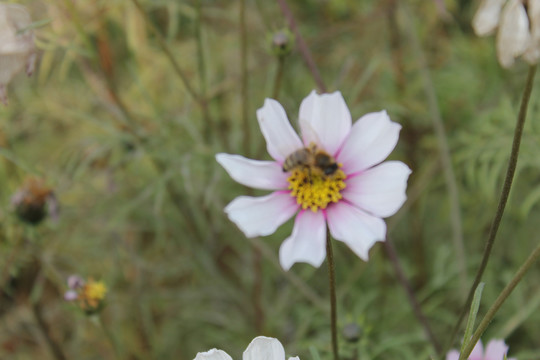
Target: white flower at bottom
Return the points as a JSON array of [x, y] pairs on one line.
[[352, 198], [495, 350], [261, 348]]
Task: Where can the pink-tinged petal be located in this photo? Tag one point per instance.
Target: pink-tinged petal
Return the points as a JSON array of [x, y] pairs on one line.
[[213, 354], [71, 295], [478, 351], [513, 36], [355, 228], [486, 19], [307, 242], [261, 216], [265, 175], [495, 350], [281, 139], [264, 348], [452, 355], [325, 120], [372, 139], [379, 190]]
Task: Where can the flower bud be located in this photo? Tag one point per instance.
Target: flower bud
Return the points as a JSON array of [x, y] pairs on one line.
[[31, 199], [352, 332], [17, 49], [282, 42]]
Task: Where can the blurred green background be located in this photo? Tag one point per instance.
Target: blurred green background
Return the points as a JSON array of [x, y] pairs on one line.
[[108, 122]]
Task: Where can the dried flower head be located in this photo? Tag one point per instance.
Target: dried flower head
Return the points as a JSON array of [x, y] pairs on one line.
[[33, 200], [17, 49], [89, 295], [518, 23]]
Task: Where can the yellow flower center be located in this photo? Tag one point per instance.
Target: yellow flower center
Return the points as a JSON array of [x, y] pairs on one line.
[[315, 190], [94, 290]]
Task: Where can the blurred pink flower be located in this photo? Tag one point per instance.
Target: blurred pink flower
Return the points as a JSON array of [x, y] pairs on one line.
[[352, 198], [495, 350], [17, 49], [260, 348]]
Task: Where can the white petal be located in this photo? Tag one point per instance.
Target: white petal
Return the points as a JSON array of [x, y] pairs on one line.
[[281, 139], [379, 190], [307, 242], [213, 354], [294, 358], [372, 139], [355, 228], [513, 36], [452, 355], [532, 55], [486, 19], [325, 120], [261, 216], [264, 348], [265, 175], [495, 350], [478, 351]]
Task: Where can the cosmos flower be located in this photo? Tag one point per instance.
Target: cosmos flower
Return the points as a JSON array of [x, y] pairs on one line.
[[260, 348], [351, 197], [518, 23], [495, 350], [89, 295], [17, 49]]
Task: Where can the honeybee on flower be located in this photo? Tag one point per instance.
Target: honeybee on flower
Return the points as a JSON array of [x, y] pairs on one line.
[[334, 176]]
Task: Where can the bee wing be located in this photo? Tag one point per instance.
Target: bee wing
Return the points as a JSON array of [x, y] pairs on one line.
[[309, 135]]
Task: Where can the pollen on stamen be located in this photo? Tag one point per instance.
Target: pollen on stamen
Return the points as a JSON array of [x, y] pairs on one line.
[[314, 190]]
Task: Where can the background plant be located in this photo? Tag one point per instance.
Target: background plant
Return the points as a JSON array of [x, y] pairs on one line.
[[129, 149]]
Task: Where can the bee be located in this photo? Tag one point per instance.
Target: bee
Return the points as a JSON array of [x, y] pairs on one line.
[[311, 157]]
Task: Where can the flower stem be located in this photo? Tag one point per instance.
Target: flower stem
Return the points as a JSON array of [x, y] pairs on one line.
[[244, 82], [304, 50], [499, 301], [55, 347], [518, 132], [333, 306]]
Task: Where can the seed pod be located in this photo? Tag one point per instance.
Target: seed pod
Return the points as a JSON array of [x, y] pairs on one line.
[[17, 49]]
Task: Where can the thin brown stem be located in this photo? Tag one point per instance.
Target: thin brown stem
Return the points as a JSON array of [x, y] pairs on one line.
[[333, 305], [304, 49], [505, 192], [244, 81], [43, 326], [392, 255]]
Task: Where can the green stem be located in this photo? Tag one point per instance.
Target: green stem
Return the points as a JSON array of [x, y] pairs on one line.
[[279, 76], [518, 132], [498, 303], [333, 306], [109, 335], [244, 81]]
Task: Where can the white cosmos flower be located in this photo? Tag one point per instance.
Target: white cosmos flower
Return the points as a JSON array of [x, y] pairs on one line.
[[495, 350], [352, 202], [518, 23], [16, 44], [261, 348]]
